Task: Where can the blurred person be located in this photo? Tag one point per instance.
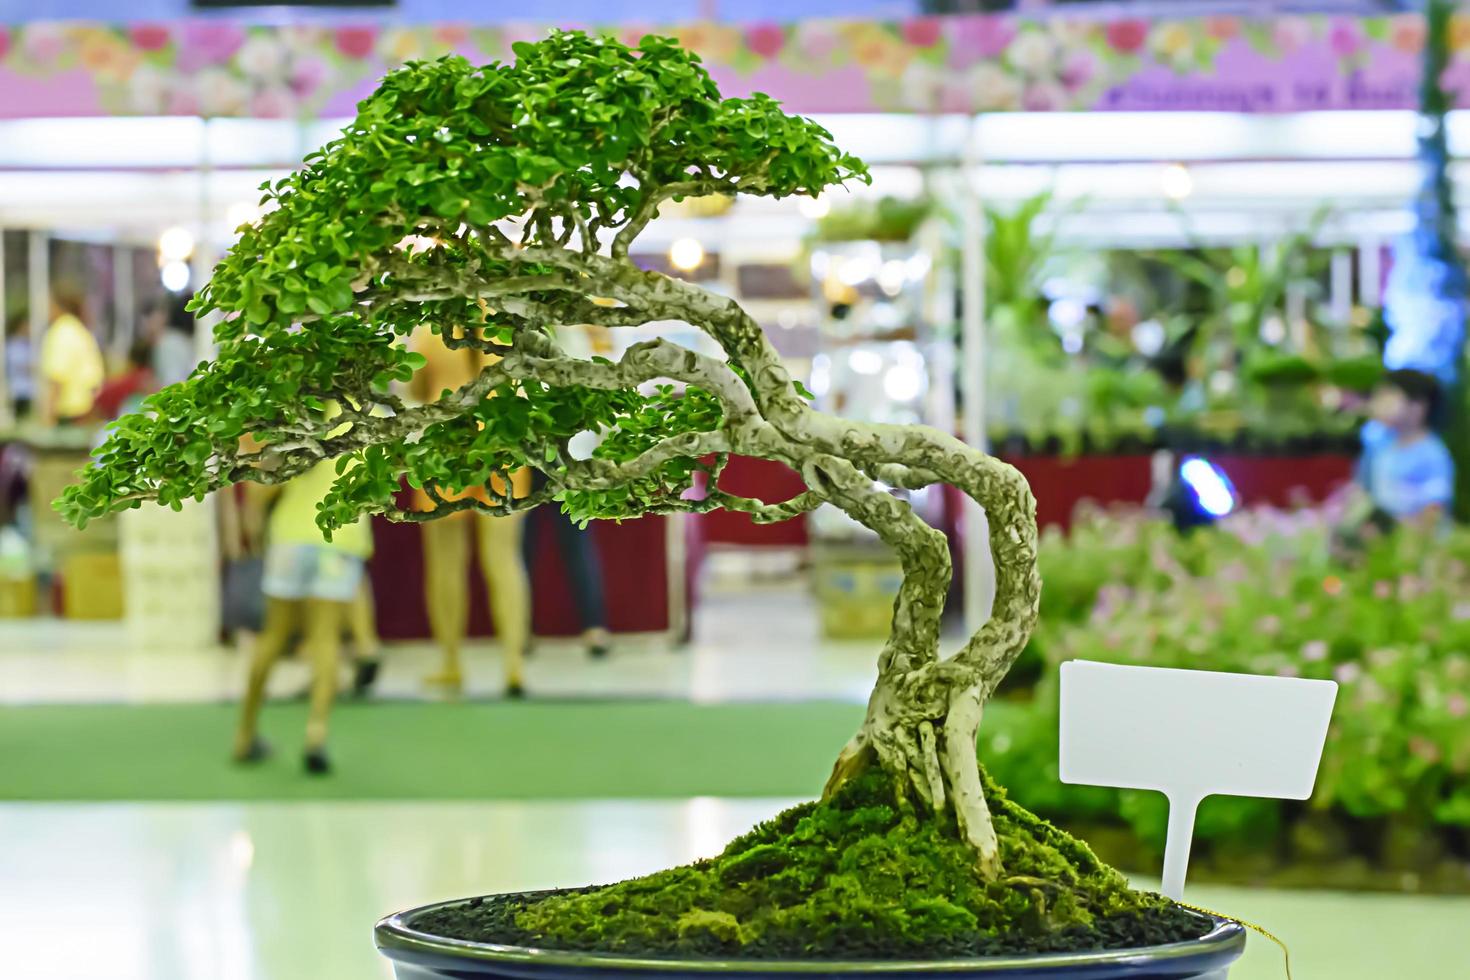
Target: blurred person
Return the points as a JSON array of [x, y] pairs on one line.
[[577, 545], [71, 361], [580, 557], [20, 377], [169, 325], [446, 541], [362, 629], [311, 586], [1405, 472], [124, 392]]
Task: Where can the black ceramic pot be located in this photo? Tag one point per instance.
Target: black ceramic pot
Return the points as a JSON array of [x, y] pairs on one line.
[[421, 956]]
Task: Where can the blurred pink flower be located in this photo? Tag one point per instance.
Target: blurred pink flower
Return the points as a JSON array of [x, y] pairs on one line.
[[1345, 37], [1424, 748], [42, 42], [209, 43], [816, 39], [275, 102], [1382, 589], [150, 37], [1127, 36], [922, 32], [1460, 611], [1043, 96], [355, 42], [1347, 673], [1291, 33], [1288, 670], [1222, 28], [1078, 69], [1314, 650], [451, 36], [1408, 34], [182, 102], [1457, 705], [1270, 625], [307, 75], [766, 40], [986, 35]]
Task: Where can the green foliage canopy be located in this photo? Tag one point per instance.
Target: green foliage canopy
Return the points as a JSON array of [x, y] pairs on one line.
[[430, 212]]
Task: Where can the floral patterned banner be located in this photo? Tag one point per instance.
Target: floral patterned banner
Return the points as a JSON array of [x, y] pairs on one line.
[[951, 64]]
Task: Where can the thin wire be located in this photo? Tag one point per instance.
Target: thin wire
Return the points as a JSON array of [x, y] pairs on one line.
[[1285, 953]]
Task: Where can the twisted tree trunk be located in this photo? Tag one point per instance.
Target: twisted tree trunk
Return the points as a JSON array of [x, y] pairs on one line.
[[926, 708]]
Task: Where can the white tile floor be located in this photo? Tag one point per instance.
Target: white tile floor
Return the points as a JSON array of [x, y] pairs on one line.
[[749, 645], [290, 891]]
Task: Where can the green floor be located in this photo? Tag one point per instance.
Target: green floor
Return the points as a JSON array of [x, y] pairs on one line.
[[414, 750]]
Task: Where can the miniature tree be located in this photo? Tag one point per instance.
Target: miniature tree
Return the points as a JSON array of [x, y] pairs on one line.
[[493, 205]]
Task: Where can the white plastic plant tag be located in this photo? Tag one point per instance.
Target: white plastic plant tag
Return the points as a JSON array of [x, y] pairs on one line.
[[1189, 734]]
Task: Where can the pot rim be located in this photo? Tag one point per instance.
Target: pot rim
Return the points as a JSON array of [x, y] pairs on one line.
[[395, 938]]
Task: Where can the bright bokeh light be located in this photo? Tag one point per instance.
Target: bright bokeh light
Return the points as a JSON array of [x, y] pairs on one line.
[[1211, 488], [892, 276], [175, 244], [175, 276], [1148, 337], [902, 383], [241, 213], [814, 207], [686, 254], [865, 361], [1177, 182]]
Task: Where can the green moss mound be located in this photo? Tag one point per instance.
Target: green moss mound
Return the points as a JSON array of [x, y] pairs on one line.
[[858, 877]]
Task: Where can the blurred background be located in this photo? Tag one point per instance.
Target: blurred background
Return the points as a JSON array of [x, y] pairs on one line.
[[1167, 259]]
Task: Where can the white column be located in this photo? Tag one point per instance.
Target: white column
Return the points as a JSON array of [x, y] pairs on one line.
[[7, 415], [978, 569], [38, 281]]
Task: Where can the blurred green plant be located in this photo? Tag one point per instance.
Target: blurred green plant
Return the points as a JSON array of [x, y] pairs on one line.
[[1265, 594]]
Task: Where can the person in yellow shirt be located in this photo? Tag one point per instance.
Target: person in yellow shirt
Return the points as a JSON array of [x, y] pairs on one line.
[[447, 548], [311, 586], [71, 365]]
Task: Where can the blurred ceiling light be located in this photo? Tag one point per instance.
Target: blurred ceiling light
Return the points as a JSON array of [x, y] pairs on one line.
[[814, 208], [686, 254], [902, 383], [175, 275], [892, 276], [856, 269], [865, 361], [821, 379], [241, 213], [175, 244], [1177, 182]]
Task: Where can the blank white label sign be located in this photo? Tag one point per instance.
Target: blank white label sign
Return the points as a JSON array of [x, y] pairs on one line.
[[1190, 734]]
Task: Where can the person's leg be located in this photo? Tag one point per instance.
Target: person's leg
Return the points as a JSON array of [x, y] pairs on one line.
[[281, 618], [363, 625], [446, 592], [510, 591], [584, 571], [322, 645]]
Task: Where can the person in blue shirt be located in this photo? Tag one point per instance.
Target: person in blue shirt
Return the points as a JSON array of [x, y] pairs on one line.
[[1405, 468]]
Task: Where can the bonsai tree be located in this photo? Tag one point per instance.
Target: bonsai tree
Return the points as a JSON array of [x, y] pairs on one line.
[[493, 205]]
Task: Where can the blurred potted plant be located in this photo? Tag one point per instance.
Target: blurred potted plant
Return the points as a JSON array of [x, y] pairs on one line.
[[912, 855]]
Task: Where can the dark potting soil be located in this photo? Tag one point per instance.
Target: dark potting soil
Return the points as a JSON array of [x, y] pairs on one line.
[[861, 876], [493, 919]]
